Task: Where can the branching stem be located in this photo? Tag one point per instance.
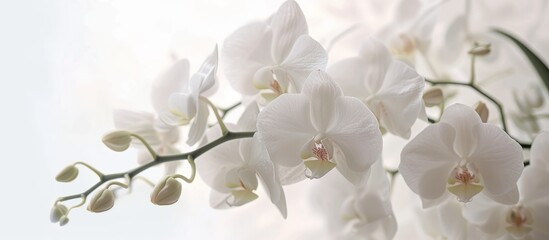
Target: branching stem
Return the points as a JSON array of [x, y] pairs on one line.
[[159, 160]]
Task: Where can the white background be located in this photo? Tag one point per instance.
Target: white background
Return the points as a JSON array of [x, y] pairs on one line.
[[65, 65]]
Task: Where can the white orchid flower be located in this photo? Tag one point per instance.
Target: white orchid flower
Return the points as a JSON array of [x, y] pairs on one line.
[[528, 219], [390, 88], [232, 169], [321, 129], [275, 55], [410, 29], [358, 212], [143, 124], [189, 105], [463, 156]]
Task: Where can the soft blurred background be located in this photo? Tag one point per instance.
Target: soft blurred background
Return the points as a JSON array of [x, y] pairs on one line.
[[65, 65]]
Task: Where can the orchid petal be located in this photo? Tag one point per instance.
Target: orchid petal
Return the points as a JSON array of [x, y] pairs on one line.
[[288, 23], [356, 133], [213, 165], [498, 159], [244, 52], [284, 126], [248, 119], [218, 200], [349, 74], [401, 96], [198, 127], [539, 153], [378, 60], [183, 105], [306, 56], [463, 119], [174, 79], [322, 92], [428, 159], [140, 123], [204, 78], [258, 159]]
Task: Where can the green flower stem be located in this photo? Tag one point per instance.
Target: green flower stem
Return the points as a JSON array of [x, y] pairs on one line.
[[159, 160], [487, 96], [226, 110], [94, 170], [224, 129], [149, 148], [193, 171]]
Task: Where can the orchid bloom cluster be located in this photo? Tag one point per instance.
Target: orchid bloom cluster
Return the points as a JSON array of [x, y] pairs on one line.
[[306, 120]]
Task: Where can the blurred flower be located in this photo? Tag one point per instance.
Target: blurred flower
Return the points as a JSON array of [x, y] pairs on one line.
[[528, 219], [307, 129], [362, 212], [231, 169], [275, 55], [143, 124], [391, 89], [186, 106], [464, 156]]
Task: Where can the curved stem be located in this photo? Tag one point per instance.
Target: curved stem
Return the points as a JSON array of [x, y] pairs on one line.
[[487, 96], [159, 160], [94, 170], [224, 129], [149, 148], [193, 171], [226, 110]]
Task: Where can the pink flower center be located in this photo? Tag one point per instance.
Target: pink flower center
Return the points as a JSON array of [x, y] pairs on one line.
[[320, 152]]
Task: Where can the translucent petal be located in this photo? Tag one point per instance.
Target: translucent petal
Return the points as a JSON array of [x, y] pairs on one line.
[[248, 119], [498, 158], [428, 159], [291, 175], [401, 98], [218, 200], [322, 92], [288, 23], [378, 60], [204, 78], [175, 79], [140, 123], [258, 159], [244, 52], [200, 122], [307, 55], [349, 74], [463, 119], [184, 105], [539, 153], [285, 126], [356, 132], [216, 162]]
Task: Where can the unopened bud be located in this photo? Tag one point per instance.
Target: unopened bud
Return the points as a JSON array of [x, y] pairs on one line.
[[63, 220], [482, 111], [433, 97], [68, 174], [102, 201], [480, 49], [118, 140], [57, 212], [166, 192]]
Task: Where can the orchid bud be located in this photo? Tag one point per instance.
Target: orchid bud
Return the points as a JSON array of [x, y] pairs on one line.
[[118, 140], [63, 220], [482, 111], [102, 201], [57, 212], [433, 97], [166, 192], [480, 49], [68, 174]]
